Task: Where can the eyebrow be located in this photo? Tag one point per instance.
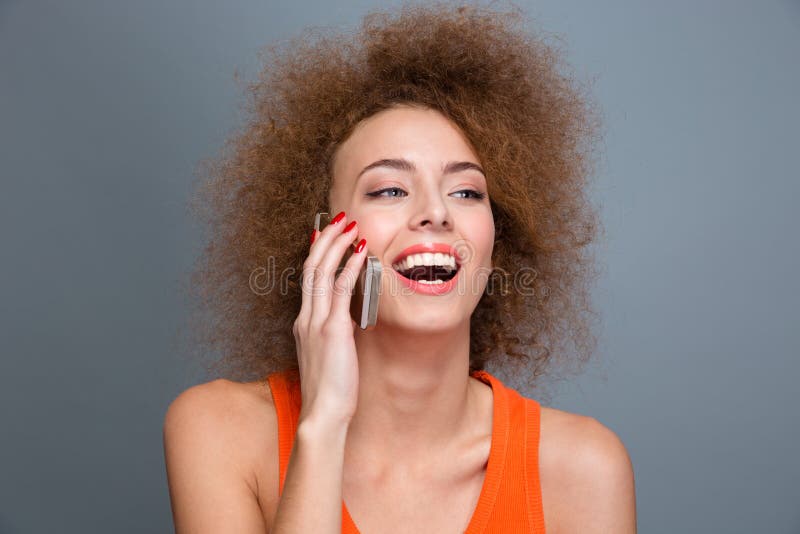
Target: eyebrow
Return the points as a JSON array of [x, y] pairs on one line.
[[405, 165]]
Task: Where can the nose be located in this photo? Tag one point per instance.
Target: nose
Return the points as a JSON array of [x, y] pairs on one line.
[[432, 212]]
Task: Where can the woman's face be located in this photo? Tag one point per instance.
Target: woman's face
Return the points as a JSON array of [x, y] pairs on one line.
[[409, 177]]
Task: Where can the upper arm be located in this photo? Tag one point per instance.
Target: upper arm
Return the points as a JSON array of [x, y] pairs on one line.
[[604, 476], [210, 484], [591, 480]]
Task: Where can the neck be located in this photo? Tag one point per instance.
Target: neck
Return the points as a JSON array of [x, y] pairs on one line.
[[415, 393]]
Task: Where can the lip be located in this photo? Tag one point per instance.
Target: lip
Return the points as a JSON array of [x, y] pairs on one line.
[[428, 289], [419, 248]]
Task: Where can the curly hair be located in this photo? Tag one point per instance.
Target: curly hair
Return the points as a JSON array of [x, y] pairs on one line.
[[530, 124]]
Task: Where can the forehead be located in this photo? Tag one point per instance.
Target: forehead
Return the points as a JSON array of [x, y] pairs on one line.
[[421, 135]]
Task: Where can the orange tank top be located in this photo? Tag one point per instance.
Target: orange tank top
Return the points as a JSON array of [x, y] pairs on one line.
[[510, 499]]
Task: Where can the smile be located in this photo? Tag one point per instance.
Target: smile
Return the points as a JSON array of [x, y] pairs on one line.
[[428, 268]]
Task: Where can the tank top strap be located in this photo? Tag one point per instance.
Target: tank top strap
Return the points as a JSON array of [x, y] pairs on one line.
[[533, 487], [518, 507], [287, 397], [285, 388]]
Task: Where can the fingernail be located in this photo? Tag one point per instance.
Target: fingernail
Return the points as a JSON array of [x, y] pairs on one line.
[[360, 245], [349, 227], [313, 236], [338, 218]]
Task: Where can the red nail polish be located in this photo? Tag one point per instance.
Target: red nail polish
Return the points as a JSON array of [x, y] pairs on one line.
[[349, 227], [313, 236], [338, 218], [360, 245]]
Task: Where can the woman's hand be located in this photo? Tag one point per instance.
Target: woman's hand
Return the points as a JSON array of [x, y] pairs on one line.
[[323, 331]]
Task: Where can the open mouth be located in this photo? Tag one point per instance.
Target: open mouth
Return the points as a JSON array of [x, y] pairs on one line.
[[428, 268]]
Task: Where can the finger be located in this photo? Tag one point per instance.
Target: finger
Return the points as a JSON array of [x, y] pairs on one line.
[[326, 272], [346, 282], [317, 251], [325, 236], [306, 284]]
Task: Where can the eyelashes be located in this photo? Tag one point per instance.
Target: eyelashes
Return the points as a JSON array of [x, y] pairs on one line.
[[379, 193], [476, 195]]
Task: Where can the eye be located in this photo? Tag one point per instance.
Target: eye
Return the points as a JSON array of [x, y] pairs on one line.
[[477, 195], [470, 193], [379, 193]]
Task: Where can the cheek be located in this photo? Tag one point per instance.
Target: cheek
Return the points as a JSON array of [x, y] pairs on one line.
[[376, 229], [482, 235]]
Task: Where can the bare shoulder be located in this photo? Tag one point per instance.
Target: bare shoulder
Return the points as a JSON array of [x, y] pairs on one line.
[[224, 401], [586, 475], [219, 438]]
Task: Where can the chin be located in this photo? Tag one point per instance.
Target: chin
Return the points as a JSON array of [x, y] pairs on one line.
[[423, 319]]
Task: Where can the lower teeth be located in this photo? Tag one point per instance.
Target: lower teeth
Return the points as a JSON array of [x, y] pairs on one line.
[[435, 282]]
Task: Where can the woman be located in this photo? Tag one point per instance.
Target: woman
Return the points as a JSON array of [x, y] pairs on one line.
[[437, 127]]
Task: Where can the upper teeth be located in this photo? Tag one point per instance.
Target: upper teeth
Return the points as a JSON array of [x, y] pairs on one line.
[[426, 258]]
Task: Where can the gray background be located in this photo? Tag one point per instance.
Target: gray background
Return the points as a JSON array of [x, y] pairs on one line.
[[106, 108]]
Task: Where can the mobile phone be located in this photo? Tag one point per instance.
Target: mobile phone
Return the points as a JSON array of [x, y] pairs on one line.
[[364, 301]]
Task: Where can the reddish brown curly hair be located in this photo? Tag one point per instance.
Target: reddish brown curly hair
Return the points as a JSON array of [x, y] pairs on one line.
[[532, 128]]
